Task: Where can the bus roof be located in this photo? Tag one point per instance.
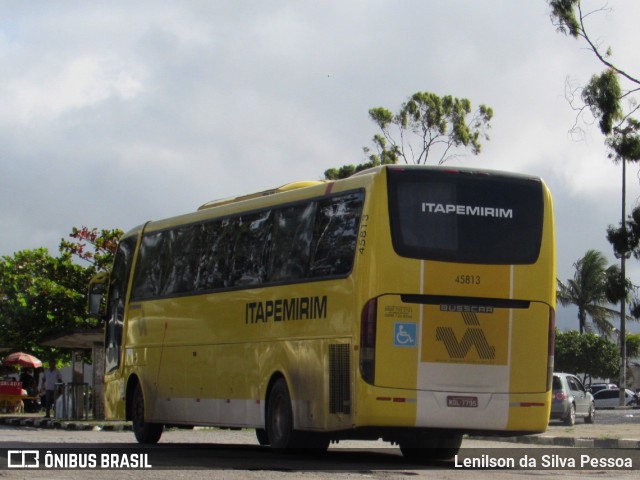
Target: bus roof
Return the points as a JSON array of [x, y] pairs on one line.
[[233, 205], [284, 188]]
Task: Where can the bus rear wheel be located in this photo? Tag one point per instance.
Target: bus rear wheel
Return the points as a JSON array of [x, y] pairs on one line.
[[424, 447], [261, 435], [145, 432], [279, 423], [279, 426]]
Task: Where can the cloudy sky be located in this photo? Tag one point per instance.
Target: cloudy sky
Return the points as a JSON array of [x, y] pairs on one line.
[[114, 113]]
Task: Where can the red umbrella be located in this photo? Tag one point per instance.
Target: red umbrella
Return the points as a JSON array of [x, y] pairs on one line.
[[22, 359]]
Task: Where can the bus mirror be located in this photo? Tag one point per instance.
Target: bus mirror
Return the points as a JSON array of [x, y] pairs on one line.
[[97, 289]]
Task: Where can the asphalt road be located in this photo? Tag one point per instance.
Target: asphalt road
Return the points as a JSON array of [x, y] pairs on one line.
[[616, 417], [212, 453]]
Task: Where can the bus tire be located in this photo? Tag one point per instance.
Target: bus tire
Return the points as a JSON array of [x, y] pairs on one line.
[[448, 447], [145, 432], [261, 435], [313, 443], [279, 416], [426, 447]]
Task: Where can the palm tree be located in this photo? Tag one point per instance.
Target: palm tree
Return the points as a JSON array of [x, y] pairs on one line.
[[588, 291]]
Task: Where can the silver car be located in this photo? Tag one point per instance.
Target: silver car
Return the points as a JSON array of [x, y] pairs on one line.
[[611, 398], [570, 399]]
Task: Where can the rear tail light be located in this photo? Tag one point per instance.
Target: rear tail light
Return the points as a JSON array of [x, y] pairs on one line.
[[560, 396], [551, 347], [368, 325]]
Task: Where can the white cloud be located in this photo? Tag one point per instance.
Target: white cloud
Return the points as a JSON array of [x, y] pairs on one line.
[[50, 89]]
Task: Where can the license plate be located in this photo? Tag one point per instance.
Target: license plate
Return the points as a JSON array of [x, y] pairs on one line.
[[464, 402]]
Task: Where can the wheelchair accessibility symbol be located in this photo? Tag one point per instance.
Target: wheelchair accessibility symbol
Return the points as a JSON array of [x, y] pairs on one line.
[[405, 334]]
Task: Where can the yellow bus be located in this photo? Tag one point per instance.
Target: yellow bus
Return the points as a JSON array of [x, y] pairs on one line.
[[412, 304]]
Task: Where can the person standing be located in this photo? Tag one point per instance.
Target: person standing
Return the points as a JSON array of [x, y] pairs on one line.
[[50, 378], [27, 380]]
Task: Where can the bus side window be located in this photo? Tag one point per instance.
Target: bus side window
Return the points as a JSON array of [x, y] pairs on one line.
[[293, 233], [335, 235], [252, 247], [116, 303], [148, 278], [213, 266]]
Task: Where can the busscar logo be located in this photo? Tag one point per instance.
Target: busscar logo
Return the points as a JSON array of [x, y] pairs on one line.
[[473, 337]]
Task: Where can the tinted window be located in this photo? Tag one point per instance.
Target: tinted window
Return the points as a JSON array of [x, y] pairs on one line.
[[252, 244], [119, 280], [179, 245], [293, 234], [577, 384], [334, 235], [465, 217], [148, 281], [218, 241], [312, 239], [606, 394]]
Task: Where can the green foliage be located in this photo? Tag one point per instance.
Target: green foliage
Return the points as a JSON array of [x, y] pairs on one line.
[[616, 288], [589, 289], [624, 142], [603, 94], [95, 248], [426, 126], [338, 173], [586, 354], [563, 15], [633, 345], [41, 296], [429, 124], [626, 240], [383, 157]]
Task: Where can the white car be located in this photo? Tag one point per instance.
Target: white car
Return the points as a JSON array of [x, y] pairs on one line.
[[596, 387], [611, 398]]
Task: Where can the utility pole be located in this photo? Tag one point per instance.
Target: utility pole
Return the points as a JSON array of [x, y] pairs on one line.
[[623, 300]]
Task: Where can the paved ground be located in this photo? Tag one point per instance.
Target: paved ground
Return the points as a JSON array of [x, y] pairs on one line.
[[624, 433], [598, 435]]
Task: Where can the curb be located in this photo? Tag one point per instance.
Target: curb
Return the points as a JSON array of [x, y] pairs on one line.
[[579, 442], [61, 424]]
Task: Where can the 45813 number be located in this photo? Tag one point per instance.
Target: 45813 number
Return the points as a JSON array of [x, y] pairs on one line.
[[468, 279], [362, 234]]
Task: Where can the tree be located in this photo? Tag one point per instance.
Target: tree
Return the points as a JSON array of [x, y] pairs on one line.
[[603, 94], [588, 290], [40, 296], [586, 354], [633, 345], [426, 126], [633, 351], [93, 247], [625, 240]]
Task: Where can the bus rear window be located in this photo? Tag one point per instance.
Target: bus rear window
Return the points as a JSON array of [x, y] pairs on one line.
[[465, 217]]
